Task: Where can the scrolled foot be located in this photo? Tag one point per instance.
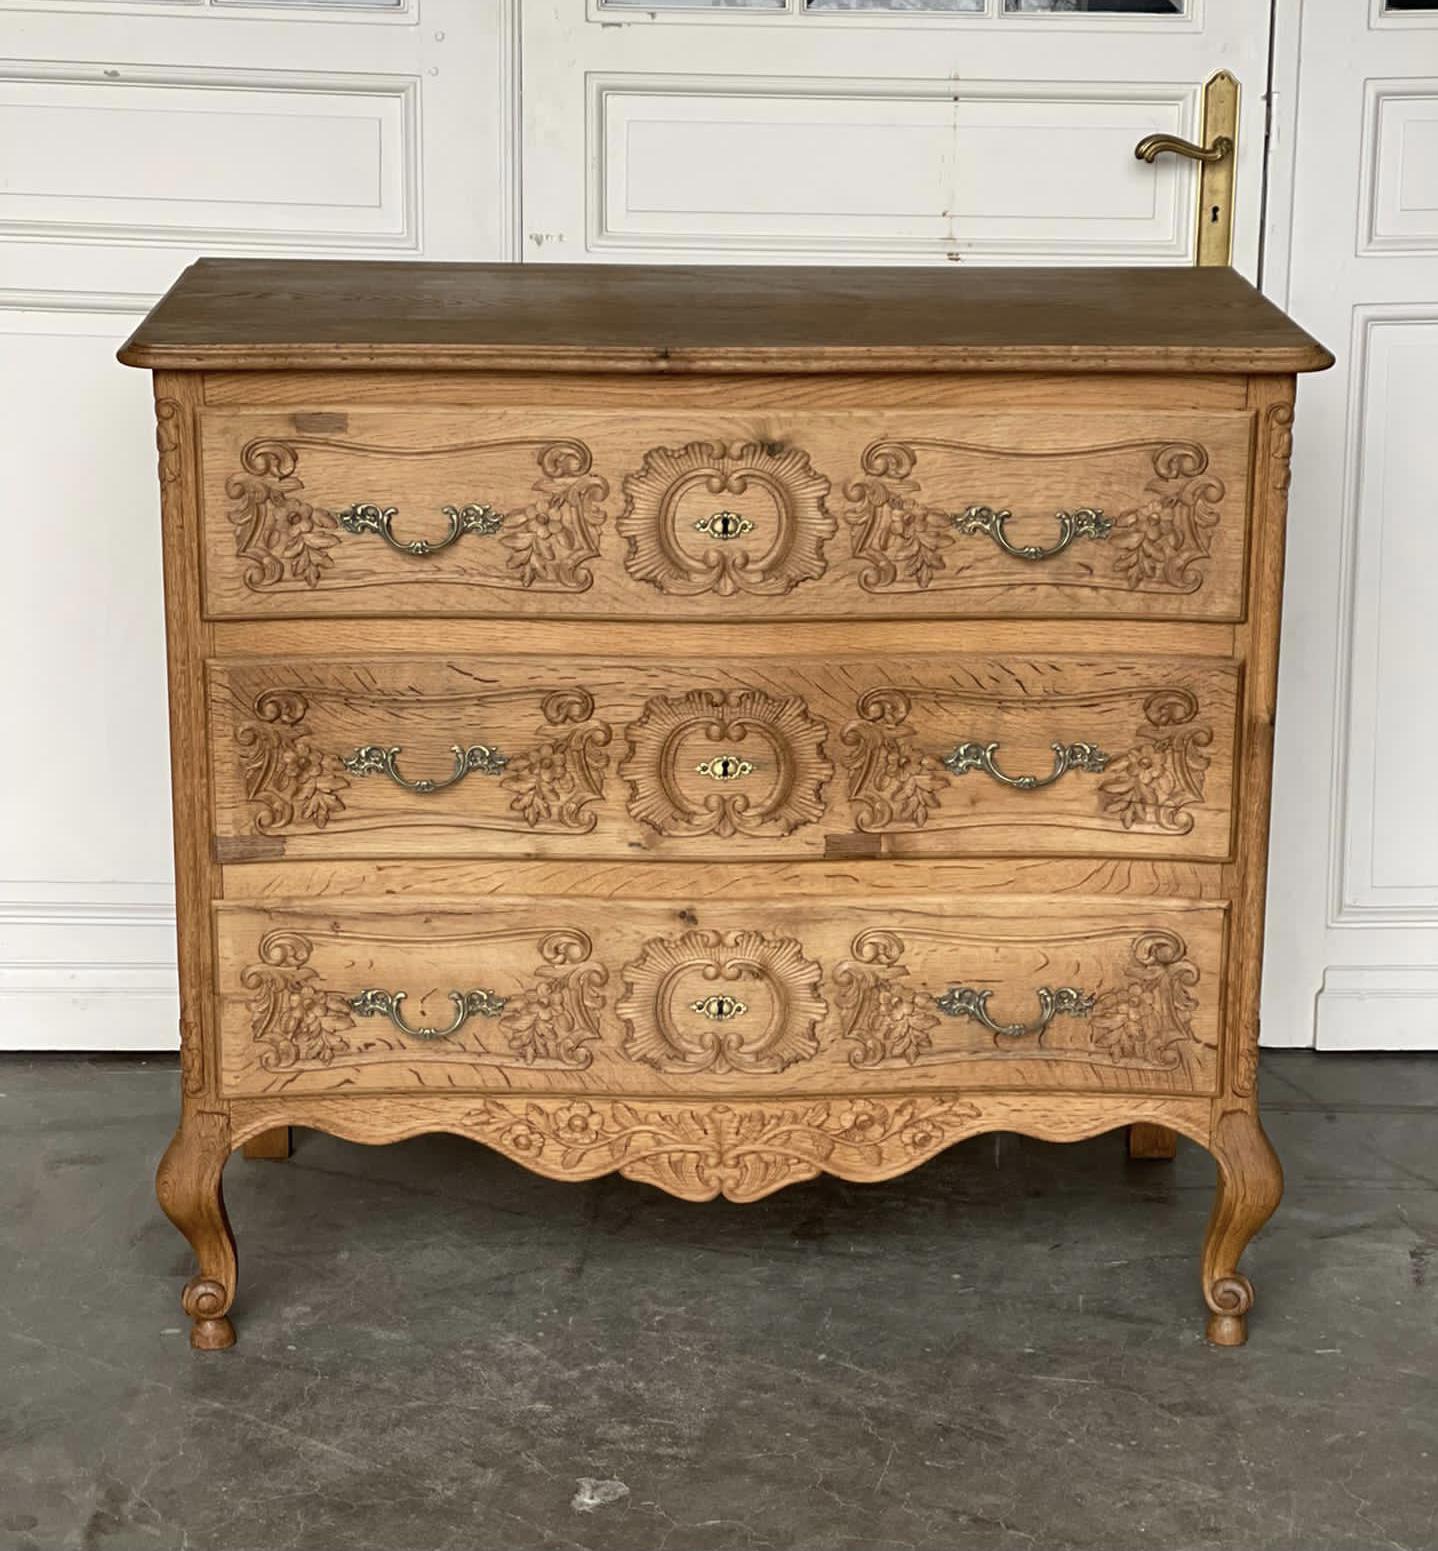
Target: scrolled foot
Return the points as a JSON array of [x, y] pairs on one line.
[[1250, 1184], [207, 1303], [1229, 1300], [188, 1187]]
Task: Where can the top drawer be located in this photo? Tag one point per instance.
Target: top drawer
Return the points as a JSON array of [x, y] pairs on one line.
[[628, 514]]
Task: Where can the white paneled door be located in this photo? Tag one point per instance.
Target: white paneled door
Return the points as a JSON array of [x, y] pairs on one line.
[[1354, 902], [879, 131], [134, 135]]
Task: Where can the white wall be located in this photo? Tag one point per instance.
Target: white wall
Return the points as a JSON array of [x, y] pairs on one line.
[[133, 137]]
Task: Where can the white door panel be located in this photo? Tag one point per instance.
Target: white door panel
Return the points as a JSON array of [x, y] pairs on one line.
[[134, 137], [1354, 896], [756, 134]]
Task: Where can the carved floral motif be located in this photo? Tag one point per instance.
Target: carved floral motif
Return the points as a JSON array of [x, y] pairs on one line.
[[1162, 774], [891, 783], [555, 783], [285, 775], [552, 1020], [1162, 543], [1149, 1019], [666, 1032], [742, 1150], [283, 538], [683, 558], [552, 540], [782, 788], [887, 1018], [291, 1013], [1158, 545]]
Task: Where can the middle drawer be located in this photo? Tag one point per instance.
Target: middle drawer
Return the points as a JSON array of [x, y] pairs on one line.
[[925, 755]]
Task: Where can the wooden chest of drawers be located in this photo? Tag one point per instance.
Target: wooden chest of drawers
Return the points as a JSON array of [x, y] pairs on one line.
[[720, 725]]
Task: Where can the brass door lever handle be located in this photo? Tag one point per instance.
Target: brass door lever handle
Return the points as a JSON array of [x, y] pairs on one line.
[[1171, 145]]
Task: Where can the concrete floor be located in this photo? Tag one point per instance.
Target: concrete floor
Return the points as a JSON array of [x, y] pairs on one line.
[[438, 1350]]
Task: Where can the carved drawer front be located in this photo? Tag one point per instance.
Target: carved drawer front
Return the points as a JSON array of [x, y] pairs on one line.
[[548, 997], [933, 755], [693, 514]]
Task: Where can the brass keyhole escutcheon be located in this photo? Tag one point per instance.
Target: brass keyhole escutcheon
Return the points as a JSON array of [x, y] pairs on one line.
[[724, 525], [725, 767], [719, 1008]]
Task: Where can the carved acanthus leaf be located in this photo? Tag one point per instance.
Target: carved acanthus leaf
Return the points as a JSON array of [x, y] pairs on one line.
[[551, 541], [743, 1151]]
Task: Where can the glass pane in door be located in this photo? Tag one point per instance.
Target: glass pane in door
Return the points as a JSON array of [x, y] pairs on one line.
[[1094, 7], [973, 7]]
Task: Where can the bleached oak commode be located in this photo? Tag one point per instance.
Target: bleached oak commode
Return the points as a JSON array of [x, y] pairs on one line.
[[720, 724]]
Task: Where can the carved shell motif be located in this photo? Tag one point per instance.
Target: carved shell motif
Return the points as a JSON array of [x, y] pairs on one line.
[[722, 1002], [726, 518], [717, 762]]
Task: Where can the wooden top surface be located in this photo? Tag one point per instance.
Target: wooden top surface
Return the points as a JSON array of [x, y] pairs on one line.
[[267, 314]]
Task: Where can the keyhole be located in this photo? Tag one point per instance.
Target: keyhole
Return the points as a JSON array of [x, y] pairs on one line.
[[1213, 216]]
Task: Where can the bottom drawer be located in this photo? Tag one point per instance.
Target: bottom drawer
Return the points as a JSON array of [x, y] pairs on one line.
[[746, 999]]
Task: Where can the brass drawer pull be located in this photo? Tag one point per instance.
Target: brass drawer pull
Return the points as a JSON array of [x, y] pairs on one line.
[[1084, 522], [1067, 756], [966, 1002], [372, 759], [387, 1004], [366, 518]]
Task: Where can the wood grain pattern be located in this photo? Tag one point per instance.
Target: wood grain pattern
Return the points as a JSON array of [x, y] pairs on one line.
[[621, 757], [433, 879], [296, 314], [844, 513], [839, 996]]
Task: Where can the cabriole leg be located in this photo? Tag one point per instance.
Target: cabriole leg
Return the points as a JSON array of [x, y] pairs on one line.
[[188, 1185], [1250, 1183]]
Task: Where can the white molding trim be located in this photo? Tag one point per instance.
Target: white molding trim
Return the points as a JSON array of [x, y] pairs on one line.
[[1382, 1007], [88, 967], [1378, 93], [132, 302]]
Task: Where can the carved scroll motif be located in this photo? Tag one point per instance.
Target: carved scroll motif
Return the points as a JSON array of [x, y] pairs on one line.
[[779, 988], [684, 555], [781, 789]]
